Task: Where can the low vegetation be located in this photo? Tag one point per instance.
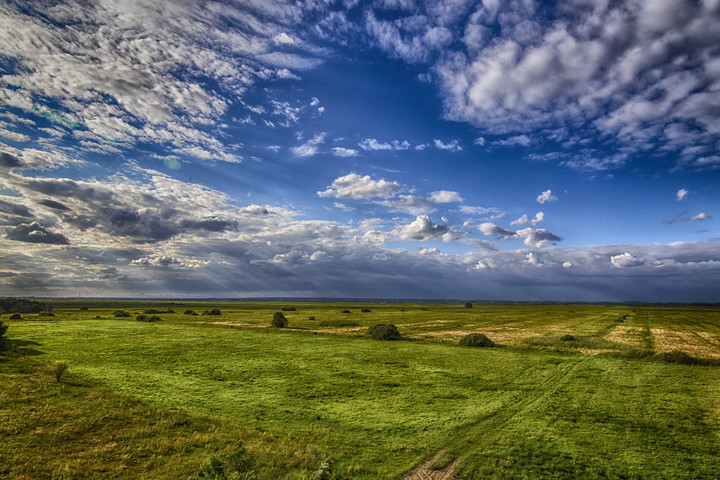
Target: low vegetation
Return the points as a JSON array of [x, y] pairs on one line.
[[573, 393], [338, 323], [476, 340]]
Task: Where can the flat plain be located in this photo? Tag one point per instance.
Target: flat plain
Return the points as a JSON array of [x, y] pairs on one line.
[[570, 391]]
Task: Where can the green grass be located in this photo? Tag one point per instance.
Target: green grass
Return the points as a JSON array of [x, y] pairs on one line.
[[156, 400]]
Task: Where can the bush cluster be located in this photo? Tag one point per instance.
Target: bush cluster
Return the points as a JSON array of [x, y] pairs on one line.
[[21, 305], [383, 331], [121, 314], [145, 318], [365, 310], [214, 311], [476, 340]]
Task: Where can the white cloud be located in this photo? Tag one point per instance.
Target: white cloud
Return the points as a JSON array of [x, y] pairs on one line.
[[489, 229], [283, 38], [373, 144], [625, 260], [453, 146], [355, 186], [537, 238], [445, 196], [475, 210], [524, 220], [344, 152], [422, 229], [522, 140], [479, 141], [700, 216], [310, 148], [567, 264], [14, 136], [546, 196], [681, 194]]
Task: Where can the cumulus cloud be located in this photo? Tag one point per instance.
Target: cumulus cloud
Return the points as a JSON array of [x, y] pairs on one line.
[[35, 233], [537, 238], [490, 229], [625, 260], [681, 194], [546, 196], [356, 186], [524, 220], [422, 229]]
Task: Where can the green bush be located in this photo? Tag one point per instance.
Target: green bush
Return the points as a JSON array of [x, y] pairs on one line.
[[84, 308], [46, 314], [311, 317], [3, 329], [238, 464], [214, 311], [365, 310], [121, 314], [288, 309], [567, 338], [279, 320], [145, 318], [476, 340], [59, 369], [468, 305], [346, 311], [677, 356], [16, 316], [383, 331], [189, 312]]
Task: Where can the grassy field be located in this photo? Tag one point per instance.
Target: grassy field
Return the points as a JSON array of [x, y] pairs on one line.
[[572, 391]]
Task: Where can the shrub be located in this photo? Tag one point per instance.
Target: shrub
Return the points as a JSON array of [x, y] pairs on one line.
[[476, 340], [323, 472], [21, 305], [288, 309], [383, 331], [16, 316], [121, 313], [3, 329], [311, 317], [468, 305], [151, 310], [365, 310], [338, 323], [189, 312], [346, 311], [46, 314], [214, 311], [84, 308], [279, 320], [59, 369], [567, 338], [145, 318], [677, 356]]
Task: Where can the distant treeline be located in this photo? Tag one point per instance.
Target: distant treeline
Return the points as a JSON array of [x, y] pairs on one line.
[[21, 305]]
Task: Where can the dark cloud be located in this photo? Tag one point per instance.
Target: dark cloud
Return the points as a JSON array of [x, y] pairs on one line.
[[35, 233], [14, 209], [53, 204], [9, 161]]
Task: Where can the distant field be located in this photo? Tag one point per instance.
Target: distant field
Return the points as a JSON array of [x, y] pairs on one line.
[[157, 400]]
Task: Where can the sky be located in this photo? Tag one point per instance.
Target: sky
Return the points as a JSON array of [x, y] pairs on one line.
[[448, 149]]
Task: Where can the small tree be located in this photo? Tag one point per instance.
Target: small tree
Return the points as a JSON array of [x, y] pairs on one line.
[[468, 305], [3, 329], [279, 320], [59, 369]]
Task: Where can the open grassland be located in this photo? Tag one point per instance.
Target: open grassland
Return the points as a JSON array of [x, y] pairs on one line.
[[157, 400]]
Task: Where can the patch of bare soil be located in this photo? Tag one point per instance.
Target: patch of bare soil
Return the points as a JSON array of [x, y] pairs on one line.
[[426, 472]]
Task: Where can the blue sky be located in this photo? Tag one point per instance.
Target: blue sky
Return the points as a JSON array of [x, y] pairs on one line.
[[458, 149]]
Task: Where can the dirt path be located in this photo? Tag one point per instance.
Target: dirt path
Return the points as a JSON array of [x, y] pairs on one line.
[[426, 472]]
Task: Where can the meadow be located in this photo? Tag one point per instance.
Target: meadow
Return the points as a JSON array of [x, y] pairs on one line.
[[570, 391]]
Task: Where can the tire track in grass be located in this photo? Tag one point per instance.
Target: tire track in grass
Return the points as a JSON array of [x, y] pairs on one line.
[[494, 422]]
